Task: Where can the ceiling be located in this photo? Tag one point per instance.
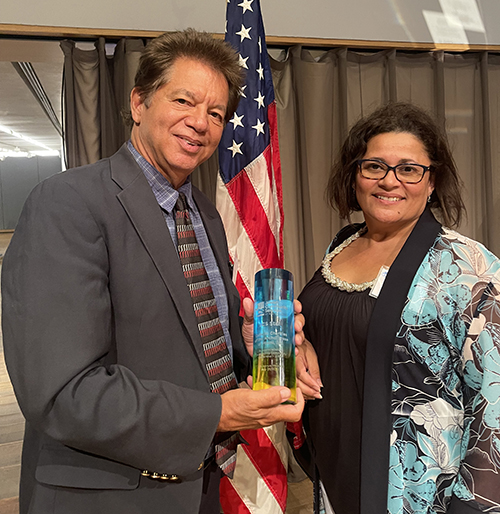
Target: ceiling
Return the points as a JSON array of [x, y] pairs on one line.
[[20, 111]]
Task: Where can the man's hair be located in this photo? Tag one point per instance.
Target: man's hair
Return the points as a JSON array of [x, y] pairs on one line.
[[398, 117], [160, 54]]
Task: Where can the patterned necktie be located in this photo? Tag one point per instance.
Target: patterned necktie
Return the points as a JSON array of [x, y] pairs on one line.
[[218, 361]]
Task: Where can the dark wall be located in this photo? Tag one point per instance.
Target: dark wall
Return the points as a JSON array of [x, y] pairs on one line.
[[18, 176]]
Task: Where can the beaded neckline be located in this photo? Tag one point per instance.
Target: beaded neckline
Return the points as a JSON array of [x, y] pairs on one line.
[[335, 281]]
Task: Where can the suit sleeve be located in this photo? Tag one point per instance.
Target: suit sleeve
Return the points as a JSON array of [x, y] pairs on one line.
[[58, 333]]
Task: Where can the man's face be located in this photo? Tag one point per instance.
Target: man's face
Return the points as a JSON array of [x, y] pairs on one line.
[[183, 122]]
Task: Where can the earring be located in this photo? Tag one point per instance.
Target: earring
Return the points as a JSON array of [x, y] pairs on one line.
[[429, 198]]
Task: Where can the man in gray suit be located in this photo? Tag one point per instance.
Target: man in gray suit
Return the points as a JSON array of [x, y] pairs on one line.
[[101, 339]]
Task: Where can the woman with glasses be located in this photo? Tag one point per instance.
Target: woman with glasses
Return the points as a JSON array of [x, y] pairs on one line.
[[404, 315]]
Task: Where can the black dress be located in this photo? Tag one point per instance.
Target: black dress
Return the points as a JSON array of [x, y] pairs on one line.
[[337, 325]]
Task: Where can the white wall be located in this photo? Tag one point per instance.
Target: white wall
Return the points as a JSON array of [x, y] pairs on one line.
[[386, 20]]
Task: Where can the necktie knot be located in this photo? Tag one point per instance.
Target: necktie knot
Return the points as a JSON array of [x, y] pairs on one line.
[[181, 204]]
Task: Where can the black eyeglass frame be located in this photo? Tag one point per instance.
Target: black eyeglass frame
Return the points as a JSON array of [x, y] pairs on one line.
[[393, 168]]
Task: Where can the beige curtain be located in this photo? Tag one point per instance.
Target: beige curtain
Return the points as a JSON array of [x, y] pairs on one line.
[[96, 88], [319, 94]]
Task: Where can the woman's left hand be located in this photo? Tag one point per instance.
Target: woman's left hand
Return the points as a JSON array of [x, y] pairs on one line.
[[308, 375]]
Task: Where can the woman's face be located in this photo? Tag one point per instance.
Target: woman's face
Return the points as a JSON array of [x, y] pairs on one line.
[[388, 204]]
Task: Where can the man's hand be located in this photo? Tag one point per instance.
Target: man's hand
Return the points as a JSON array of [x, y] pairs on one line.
[[308, 375], [247, 327], [244, 409]]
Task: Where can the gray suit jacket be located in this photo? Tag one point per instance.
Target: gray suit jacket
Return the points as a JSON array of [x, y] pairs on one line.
[[103, 349]]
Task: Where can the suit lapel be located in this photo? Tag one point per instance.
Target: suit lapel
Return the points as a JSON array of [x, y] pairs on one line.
[[141, 206], [384, 324]]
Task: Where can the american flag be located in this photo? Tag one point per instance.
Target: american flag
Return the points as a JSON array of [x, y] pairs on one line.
[[249, 199], [249, 196]]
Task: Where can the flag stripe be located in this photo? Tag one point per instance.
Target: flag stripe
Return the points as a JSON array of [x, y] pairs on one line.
[[247, 478], [241, 250], [275, 433], [242, 288], [230, 500], [253, 217], [260, 174], [276, 172], [272, 470]]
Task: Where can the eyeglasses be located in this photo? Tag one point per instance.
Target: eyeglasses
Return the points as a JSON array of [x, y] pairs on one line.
[[408, 173]]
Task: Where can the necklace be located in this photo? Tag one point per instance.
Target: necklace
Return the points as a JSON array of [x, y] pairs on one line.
[[337, 282]]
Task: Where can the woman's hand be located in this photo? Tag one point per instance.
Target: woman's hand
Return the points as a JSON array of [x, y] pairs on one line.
[[308, 375]]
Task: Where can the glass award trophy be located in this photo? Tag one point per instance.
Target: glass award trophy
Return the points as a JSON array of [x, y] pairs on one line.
[[274, 332]]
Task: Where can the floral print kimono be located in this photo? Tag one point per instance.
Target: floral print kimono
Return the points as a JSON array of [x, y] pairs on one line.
[[431, 402], [445, 436]]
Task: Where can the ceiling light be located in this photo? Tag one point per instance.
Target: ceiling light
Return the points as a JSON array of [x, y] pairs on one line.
[[17, 153], [11, 132]]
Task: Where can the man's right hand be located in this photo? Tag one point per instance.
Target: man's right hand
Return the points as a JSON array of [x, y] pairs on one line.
[[244, 409]]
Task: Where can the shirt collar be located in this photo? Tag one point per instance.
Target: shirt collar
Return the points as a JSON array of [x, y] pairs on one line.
[[165, 194]]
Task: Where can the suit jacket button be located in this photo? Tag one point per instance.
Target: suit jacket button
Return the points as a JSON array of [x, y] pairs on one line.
[[145, 473], [155, 475], [200, 466], [174, 478]]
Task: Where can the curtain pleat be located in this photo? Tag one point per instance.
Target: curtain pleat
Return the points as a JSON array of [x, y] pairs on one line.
[[487, 168], [68, 103], [293, 230], [81, 116], [125, 63], [204, 177], [319, 95], [415, 79], [463, 113], [439, 91], [108, 108], [392, 83], [494, 138], [342, 109]]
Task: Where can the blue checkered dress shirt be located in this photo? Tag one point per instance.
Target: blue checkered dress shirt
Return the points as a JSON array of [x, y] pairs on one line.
[[166, 196]]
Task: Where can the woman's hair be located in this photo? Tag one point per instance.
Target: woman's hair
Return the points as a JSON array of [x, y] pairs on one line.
[[398, 117], [160, 54]]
